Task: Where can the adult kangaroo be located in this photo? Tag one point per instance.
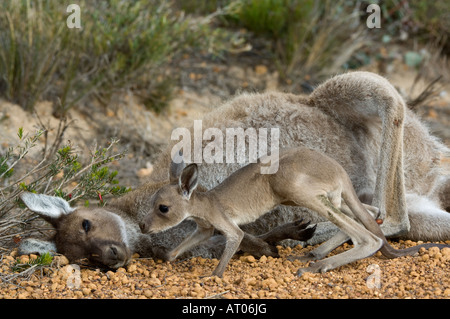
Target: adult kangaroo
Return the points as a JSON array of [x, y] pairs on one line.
[[359, 120]]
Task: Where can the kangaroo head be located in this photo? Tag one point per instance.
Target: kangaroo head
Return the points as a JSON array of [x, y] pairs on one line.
[[96, 234], [169, 206]]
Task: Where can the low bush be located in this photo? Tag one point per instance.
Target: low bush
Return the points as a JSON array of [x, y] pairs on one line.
[[307, 37]]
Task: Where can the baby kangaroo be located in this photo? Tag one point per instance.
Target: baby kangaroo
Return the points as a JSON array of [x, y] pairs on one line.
[[304, 178]]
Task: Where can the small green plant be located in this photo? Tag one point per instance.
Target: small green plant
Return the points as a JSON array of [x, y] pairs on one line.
[[5, 170], [41, 261], [93, 180], [16, 153]]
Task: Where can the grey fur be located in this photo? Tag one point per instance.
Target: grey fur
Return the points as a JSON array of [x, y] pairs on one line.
[[36, 246]]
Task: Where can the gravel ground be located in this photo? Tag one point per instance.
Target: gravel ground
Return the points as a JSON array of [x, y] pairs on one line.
[[423, 276]]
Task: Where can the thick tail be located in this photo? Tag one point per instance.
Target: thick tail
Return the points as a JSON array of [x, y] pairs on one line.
[[390, 252]]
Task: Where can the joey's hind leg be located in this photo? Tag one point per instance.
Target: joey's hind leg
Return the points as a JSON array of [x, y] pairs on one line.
[[338, 239], [372, 210], [365, 243]]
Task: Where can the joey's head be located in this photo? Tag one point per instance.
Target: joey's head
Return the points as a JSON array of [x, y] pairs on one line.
[[96, 234], [171, 204]]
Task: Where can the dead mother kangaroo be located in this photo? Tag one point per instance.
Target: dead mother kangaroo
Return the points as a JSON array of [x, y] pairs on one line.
[[304, 178]]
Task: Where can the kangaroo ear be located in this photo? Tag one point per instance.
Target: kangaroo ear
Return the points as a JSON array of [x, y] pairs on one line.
[[51, 208], [188, 180], [176, 167]]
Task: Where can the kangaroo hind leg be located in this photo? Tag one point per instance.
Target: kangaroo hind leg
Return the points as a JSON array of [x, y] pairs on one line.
[[365, 243]]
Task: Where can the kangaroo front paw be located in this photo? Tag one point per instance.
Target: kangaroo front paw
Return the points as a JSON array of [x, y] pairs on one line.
[[307, 233], [273, 252], [298, 230], [267, 250]]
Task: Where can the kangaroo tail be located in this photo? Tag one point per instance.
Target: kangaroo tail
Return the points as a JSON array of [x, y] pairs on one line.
[[364, 217]]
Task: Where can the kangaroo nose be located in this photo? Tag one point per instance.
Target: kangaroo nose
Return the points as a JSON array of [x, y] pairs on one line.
[[113, 250], [115, 255], [143, 227]]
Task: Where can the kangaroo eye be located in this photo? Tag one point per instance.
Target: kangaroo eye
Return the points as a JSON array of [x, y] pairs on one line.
[[163, 209], [86, 224]]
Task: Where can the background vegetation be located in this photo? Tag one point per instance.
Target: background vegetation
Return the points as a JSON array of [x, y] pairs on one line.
[[125, 45], [121, 45], [136, 46]]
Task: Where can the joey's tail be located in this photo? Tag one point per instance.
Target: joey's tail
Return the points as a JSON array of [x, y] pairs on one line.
[[390, 252], [364, 217]]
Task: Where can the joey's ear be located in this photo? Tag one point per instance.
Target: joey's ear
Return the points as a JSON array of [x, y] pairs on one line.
[[176, 167], [51, 208], [188, 180]]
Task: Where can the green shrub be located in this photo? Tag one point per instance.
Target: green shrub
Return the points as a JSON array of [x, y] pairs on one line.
[[306, 36]]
